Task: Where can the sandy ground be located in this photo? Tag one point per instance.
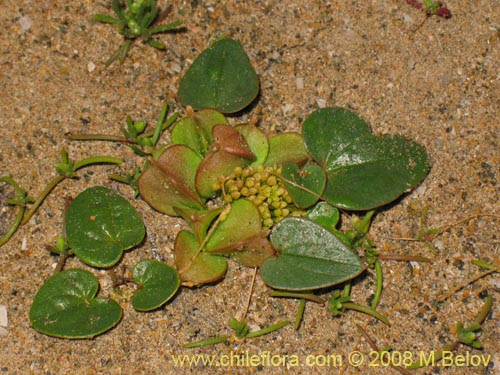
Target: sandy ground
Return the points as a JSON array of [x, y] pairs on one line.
[[438, 85]]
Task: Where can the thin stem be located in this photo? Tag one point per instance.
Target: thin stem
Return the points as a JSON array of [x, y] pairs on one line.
[[165, 126], [158, 128], [199, 344], [250, 292], [51, 185], [265, 331], [404, 258], [60, 263], [21, 201], [300, 314], [484, 311], [309, 297], [99, 137], [97, 160], [13, 227], [455, 290], [366, 310], [486, 265], [379, 284]]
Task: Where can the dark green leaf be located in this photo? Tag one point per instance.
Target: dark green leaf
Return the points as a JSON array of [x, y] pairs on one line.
[[100, 225], [221, 78], [363, 171], [310, 257], [325, 215], [159, 283], [305, 185], [65, 306]]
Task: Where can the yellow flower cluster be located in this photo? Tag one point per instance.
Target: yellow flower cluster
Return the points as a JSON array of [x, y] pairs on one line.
[[263, 187]]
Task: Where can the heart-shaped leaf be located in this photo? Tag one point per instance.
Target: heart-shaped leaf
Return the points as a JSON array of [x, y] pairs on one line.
[[195, 130], [305, 185], [196, 267], [228, 151], [65, 306], [311, 257], [241, 223], [100, 225], [363, 171], [286, 148], [158, 282], [325, 215], [169, 183], [221, 77]]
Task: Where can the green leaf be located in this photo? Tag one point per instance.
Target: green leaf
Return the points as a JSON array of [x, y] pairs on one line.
[[257, 141], [310, 257], [325, 215], [196, 267], [286, 148], [169, 183], [65, 306], [221, 78], [241, 223], [100, 225], [159, 283], [363, 171], [305, 185], [195, 130]]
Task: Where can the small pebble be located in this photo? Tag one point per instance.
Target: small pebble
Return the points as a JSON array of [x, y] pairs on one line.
[[299, 83], [90, 67], [321, 103], [4, 320], [25, 24]]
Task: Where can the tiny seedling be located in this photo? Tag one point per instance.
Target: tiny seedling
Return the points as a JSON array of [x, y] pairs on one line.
[[465, 335], [431, 7], [135, 20], [242, 331]]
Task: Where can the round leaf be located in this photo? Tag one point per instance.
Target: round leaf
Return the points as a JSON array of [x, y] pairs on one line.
[[159, 283], [221, 78], [100, 225], [363, 171], [65, 306], [310, 257]]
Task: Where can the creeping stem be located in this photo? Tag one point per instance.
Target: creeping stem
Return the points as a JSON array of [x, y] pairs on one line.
[[52, 184], [20, 200]]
